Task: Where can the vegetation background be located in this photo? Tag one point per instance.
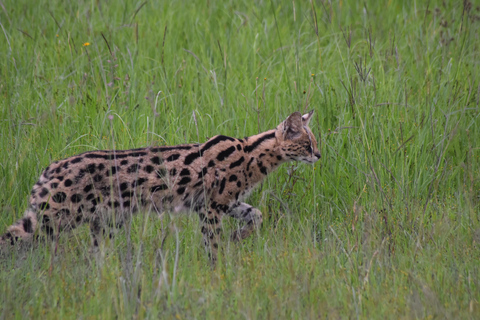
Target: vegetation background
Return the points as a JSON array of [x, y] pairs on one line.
[[385, 225]]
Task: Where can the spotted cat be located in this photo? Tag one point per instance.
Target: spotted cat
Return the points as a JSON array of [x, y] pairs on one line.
[[104, 187]]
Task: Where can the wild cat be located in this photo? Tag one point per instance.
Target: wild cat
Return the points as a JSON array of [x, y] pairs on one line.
[[103, 188]]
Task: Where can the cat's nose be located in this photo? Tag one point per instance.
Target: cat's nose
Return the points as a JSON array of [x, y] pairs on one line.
[[318, 155]]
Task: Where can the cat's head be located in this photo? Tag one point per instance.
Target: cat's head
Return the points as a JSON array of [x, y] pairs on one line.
[[296, 140]]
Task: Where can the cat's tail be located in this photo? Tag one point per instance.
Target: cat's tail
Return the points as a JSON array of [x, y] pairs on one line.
[[22, 229]]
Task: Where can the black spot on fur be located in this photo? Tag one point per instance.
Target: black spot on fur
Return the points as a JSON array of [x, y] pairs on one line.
[[156, 160], [149, 168], [59, 197], [173, 172], [48, 230], [191, 157], [96, 156], [63, 213], [96, 201], [44, 206], [90, 197], [127, 194], [99, 156], [100, 167], [211, 163], [113, 170], [223, 207], [232, 178], [27, 225], [173, 157], [263, 170], [91, 168], [105, 190], [124, 162], [239, 147], [198, 184], [249, 163], [80, 175], [43, 193], [137, 154], [181, 190], [80, 209], [237, 163], [188, 203], [222, 186], [65, 165], [67, 183], [76, 198], [9, 236], [279, 157], [45, 225], [138, 182], [239, 184], [202, 173], [133, 168], [123, 186], [126, 204], [225, 153], [76, 160], [97, 178], [88, 188], [113, 204], [185, 172], [184, 180], [213, 220]]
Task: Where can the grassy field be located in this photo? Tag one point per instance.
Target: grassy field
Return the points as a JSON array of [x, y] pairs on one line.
[[385, 225]]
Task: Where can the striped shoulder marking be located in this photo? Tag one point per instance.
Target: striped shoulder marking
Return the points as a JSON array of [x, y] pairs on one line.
[[225, 153], [172, 148], [216, 140], [255, 145]]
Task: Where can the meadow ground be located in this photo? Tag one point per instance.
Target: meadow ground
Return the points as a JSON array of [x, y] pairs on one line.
[[385, 225]]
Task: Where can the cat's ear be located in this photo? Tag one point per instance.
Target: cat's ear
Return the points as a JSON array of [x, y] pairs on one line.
[[306, 117], [292, 126]]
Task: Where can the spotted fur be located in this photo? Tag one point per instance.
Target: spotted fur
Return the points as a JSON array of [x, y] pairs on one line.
[[104, 187]]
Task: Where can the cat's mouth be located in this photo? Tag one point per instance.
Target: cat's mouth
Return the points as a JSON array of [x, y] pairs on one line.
[[310, 159]]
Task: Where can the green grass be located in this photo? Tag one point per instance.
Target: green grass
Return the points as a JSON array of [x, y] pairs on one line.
[[386, 225]]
